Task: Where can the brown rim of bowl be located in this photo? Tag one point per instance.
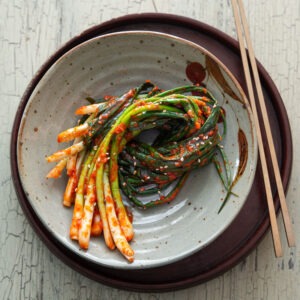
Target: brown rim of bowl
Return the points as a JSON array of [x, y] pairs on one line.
[[245, 103]]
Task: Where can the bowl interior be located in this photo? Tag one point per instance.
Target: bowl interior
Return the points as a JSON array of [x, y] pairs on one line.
[[111, 65]]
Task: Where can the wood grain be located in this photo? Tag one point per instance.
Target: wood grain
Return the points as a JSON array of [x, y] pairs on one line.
[[30, 31]]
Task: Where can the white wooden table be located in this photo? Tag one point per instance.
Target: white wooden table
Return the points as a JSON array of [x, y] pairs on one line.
[[30, 31]]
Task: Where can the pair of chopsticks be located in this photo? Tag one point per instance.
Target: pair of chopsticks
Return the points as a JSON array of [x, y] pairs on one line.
[[242, 26]]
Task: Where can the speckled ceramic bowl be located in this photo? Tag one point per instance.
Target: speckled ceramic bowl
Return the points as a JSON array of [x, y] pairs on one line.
[[111, 64]]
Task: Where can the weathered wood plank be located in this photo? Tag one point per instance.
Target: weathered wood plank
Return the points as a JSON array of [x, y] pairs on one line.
[[30, 31]]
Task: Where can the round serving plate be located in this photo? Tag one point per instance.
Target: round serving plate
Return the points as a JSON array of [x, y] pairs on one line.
[[245, 231], [111, 65]]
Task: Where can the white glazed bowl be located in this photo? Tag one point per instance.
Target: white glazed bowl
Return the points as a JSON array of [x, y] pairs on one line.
[[110, 65]]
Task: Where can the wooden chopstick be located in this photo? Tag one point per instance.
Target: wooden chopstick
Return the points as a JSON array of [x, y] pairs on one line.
[[241, 23]]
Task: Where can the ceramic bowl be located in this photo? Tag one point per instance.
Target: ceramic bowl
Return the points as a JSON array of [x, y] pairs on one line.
[[110, 65]]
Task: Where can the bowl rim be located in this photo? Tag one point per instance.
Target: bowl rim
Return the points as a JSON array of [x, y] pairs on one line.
[[237, 86]]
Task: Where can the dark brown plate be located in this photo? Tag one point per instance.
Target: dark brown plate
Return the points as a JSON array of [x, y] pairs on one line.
[[248, 228]]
